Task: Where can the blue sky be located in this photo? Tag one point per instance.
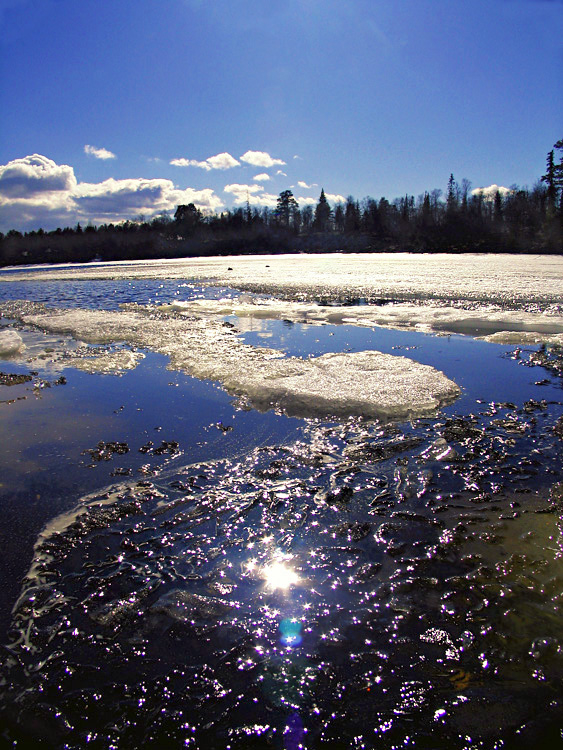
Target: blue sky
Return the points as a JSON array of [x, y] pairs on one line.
[[217, 101]]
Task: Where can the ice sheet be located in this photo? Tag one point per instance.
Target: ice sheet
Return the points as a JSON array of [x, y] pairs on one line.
[[508, 280], [368, 383]]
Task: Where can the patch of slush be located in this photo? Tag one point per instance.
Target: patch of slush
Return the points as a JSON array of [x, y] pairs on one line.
[[508, 280], [489, 322], [368, 383], [110, 363], [51, 354], [11, 343]]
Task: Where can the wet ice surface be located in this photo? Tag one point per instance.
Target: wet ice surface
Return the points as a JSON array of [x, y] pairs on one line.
[[345, 583], [363, 582]]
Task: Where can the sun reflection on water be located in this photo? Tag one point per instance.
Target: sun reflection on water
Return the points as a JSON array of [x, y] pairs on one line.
[[278, 575]]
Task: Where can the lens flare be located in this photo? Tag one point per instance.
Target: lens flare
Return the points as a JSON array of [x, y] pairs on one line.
[[290, 630]]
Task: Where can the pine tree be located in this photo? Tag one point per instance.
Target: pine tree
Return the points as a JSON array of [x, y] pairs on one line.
[[550, 179], [452, 196], [323, 214]]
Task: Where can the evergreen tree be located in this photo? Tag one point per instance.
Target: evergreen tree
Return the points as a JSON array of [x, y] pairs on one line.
[[352, 218], [452, 196], [550, 179], [558, 174], [425, 216], [371, 220], [323, 214]]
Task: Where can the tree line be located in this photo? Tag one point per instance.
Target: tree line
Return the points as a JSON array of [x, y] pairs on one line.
[[516, 220]]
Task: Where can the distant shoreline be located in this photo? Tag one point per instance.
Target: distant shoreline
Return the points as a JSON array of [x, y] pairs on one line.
[[185, 250]]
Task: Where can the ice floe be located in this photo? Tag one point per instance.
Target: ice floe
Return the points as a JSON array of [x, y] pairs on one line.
[[11, 343], [368, 383], [109, 362]]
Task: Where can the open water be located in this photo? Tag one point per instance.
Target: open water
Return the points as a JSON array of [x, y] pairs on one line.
[[180, 570]]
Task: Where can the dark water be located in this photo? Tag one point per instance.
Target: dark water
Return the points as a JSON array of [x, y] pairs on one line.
[[225, 578]]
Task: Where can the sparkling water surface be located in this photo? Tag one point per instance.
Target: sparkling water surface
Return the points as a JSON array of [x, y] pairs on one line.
[[208, 576]]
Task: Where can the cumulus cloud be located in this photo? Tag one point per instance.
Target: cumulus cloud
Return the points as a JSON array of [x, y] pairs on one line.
[[117, 198], [219, 161], [99, 153], [260, 159], [113, 200], [263, 177], [35, 191], [305, 186], [49, 211], [282, 174], [489, 193], [21, 178], [306, 201], [335, 198]]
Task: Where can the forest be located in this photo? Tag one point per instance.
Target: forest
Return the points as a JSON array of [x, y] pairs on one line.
[[459, 219]]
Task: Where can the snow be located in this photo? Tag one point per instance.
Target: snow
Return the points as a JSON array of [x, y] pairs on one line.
[[368, 383]]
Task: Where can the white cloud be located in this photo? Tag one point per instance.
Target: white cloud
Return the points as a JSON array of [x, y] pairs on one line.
[[113, 200], [331, 197], [222, 161], [260, 159], [263, 177], [219, 161], [489, 193], [335, 198], [189, 163], [264, 199], [99, 153], [35, 191], [254, 194], [21, 178], [298, 157], [305, 186], [242, 191], [279, 172], [49, 211]]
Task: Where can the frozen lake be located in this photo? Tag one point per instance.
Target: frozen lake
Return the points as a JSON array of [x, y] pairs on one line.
[[283, 501]]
